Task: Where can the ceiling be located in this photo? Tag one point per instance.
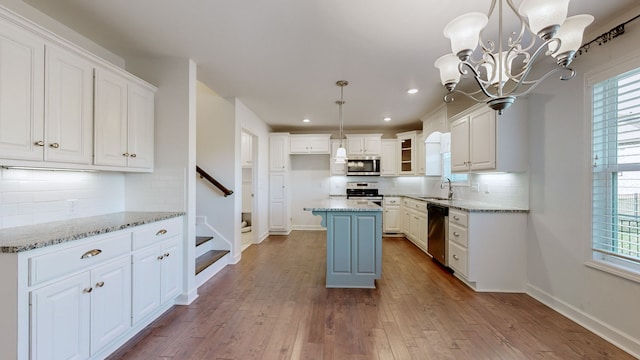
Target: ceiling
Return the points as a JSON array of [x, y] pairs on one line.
[[282, 58]]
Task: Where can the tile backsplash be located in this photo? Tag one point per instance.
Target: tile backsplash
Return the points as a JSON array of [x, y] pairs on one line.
[[37, 196]]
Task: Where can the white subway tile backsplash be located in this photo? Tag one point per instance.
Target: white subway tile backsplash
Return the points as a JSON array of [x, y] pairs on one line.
[[37, 196]]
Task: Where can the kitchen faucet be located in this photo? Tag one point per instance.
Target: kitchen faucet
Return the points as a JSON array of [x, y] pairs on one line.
[[450, 195]]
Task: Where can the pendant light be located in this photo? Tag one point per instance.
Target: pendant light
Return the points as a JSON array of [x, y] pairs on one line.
[[341, 153]]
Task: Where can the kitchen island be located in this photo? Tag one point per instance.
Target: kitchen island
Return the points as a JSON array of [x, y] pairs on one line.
[[354, 242]]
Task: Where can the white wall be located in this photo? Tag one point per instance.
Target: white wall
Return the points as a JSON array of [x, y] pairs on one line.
[[216, 154], [559, 219], [251, 123]]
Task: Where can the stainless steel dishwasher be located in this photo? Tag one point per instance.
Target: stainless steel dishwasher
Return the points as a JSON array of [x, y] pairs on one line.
[[438, 238]]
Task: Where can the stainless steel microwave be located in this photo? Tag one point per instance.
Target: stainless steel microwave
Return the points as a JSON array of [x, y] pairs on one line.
[[363, 166]]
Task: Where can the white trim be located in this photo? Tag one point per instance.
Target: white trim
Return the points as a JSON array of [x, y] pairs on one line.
[[308, 227], [615, 336], [614, 269]]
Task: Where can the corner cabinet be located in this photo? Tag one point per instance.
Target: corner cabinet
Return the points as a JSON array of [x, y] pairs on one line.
[[482, 140], [407, 143], [124, 122]]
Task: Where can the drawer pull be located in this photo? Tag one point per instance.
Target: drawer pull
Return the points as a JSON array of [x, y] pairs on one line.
[[100, 284], [87, 290], [455, 234], [166, 254], [161, 232], [456, 217], [160, 257], [456, 257], [91, 253]]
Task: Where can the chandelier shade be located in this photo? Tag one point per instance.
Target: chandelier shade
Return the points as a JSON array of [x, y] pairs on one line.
[[502, 68]]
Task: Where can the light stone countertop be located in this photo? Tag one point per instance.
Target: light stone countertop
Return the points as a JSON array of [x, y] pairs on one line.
[[24, 238], [466, 205], [342, 204]]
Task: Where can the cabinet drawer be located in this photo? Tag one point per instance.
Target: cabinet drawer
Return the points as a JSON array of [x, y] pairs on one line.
[[156, 232], [57, 263], [392, 201], [459, 234], [458, 258], [459, 217], [420, 206]]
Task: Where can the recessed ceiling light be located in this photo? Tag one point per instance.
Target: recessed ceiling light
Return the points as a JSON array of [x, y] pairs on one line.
[[387, 119], [412, 91], [306, 120]]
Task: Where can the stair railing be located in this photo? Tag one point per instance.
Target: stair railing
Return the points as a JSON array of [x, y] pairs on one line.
[[204, 175]]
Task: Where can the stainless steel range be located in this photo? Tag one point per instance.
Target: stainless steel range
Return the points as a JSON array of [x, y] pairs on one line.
[[364, 190]]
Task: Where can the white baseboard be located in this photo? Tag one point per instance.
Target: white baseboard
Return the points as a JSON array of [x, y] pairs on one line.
[[618, 338], [187, 298], [308, 227]]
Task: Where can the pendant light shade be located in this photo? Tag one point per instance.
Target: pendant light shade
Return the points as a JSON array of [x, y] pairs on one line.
[[464, 32], [544, 14], [341, 153]]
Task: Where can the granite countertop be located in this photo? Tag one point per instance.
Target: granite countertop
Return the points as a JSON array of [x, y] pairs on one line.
[[466, 205], [24, 238], [342, 204]]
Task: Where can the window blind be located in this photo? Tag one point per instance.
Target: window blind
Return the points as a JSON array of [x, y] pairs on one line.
[[616, 168]]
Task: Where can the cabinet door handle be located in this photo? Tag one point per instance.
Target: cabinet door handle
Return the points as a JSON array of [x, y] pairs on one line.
[[87, 290], [91, 253], [456, 217], [125, 154], [133, 155], [166, 254], [54, 145], [456, 257], [160, 257], [100, 284], [161, 232], [39, 143]]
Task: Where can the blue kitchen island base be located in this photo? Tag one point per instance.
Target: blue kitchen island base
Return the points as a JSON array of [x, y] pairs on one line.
[[354, 244]]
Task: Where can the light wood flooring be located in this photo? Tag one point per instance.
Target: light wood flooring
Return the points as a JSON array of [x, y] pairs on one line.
[[273, 305]]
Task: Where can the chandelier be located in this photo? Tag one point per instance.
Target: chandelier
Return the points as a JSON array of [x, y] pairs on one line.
[[503, 69], [341, 153]]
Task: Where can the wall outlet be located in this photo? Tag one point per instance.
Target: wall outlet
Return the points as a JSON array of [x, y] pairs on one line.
[[475, 187], [72, 206]]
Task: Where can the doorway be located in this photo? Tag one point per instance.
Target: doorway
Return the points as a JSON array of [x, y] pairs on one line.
[[249, 171]]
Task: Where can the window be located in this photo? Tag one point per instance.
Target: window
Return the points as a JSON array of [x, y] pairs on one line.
[[458, 179], [615, 111]]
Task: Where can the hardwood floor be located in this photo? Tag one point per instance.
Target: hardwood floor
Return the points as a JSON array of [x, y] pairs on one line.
[[273, 305]]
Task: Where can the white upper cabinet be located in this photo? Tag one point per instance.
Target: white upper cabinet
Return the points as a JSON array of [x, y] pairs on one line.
[[407, 142], [68, 107], [278, 151], [310, 144], [124, 118], [21, 94], [364, 145], [481, 140], [389, 158]]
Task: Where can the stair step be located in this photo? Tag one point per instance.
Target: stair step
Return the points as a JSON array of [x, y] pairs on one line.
[[205, 260], [202, 239]]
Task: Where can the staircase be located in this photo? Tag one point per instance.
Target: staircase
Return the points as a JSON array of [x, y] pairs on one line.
[[209, 257], [212, 252]]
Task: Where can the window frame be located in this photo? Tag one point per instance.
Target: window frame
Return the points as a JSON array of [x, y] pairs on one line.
[[611, 264]]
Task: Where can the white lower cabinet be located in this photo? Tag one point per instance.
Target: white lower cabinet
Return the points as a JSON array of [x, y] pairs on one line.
[[414, 222], [391, 217], [75, 317], [83, 299], [156, 277], [487, 249]]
